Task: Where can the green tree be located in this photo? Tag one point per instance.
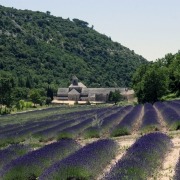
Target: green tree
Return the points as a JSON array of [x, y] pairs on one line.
[[80, 23], [138, 85], [6, 88], [35, 96], [48, 101], [174, 69], [20, 93], [115, 96], [152, 83], [110, 96], [48, 13], [50, 92]]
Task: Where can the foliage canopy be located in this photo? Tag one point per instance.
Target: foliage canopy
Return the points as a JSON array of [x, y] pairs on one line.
[[154, 80], [40, 50]]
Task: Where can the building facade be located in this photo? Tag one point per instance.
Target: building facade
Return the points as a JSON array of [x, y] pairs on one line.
[[77, 91]]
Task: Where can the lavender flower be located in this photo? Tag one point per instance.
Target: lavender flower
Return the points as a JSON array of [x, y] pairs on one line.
[[109, 121], [74, 131], [32, 164], [51, 132], [150, 118], [169, 115], [86, 163], [174, 105], [142, 158], [126, 125], [12, 152]]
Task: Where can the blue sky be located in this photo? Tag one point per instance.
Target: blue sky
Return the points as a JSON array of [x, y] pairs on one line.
[[149, 27]]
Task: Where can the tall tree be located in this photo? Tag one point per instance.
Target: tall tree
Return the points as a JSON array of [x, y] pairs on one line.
[[115, 96], [138, 82], [50, 92], [6, 87], [174, 69], [151, 83], [35, 96]]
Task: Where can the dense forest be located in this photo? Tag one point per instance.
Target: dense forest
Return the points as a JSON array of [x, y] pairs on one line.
[[159, 80], [39, 49]]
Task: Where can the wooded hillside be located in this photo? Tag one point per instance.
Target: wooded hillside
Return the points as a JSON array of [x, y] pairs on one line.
[[40, 49]]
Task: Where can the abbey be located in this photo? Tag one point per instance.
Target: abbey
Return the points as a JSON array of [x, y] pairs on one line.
[[77, 91]]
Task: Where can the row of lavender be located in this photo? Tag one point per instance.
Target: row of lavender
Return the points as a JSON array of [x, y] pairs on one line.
[[170, 112], [73, 160], [140, 118], [149, 118], [103, 126], [69, 126], [45, 128], [75, 127], [94, 123], [66, 159], [121, 121], [142, 159], [125, 126], [32, 164], [50, 113]]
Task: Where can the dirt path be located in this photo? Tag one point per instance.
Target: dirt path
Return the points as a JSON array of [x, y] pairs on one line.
[[138, 123], [124, 143], [168, 168], [163, 124]]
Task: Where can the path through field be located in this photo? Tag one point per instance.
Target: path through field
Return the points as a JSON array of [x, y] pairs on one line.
[[168, 168], [138, 123], [124, 143], [163, 125]]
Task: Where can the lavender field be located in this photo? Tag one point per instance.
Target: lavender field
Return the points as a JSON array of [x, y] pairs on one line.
[[92, 142]]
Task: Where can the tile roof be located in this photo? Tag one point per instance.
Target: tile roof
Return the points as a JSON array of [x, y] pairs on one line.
[[63, 91], [80, 84], [73, 91]]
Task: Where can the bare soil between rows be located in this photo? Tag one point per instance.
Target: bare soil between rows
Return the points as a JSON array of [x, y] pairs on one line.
[[166, 172]]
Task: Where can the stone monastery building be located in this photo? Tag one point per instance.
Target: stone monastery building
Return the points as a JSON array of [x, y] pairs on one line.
[[77, 91]]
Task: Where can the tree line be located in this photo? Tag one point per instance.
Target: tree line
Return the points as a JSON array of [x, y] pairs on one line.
[[157, 80], [11, 94]]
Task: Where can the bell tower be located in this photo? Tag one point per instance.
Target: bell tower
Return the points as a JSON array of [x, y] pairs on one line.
[[74, 81]]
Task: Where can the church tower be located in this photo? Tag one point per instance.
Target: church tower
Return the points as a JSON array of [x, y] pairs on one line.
[[74, 81], [76, 85]]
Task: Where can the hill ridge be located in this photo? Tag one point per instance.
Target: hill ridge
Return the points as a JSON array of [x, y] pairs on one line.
[[51, 49]]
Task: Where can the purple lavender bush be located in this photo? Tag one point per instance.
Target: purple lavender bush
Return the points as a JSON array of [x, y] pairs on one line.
[[107, 112], [126, 125], [115, 118], [169, 115], [174, 105], [50, 133], [142, 159], [91, 132], [86, 163], [150, 120], [19, 134], [9, 127], [177, 171], [74, 131], [177, 101], [32, 164], [12, 152]]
